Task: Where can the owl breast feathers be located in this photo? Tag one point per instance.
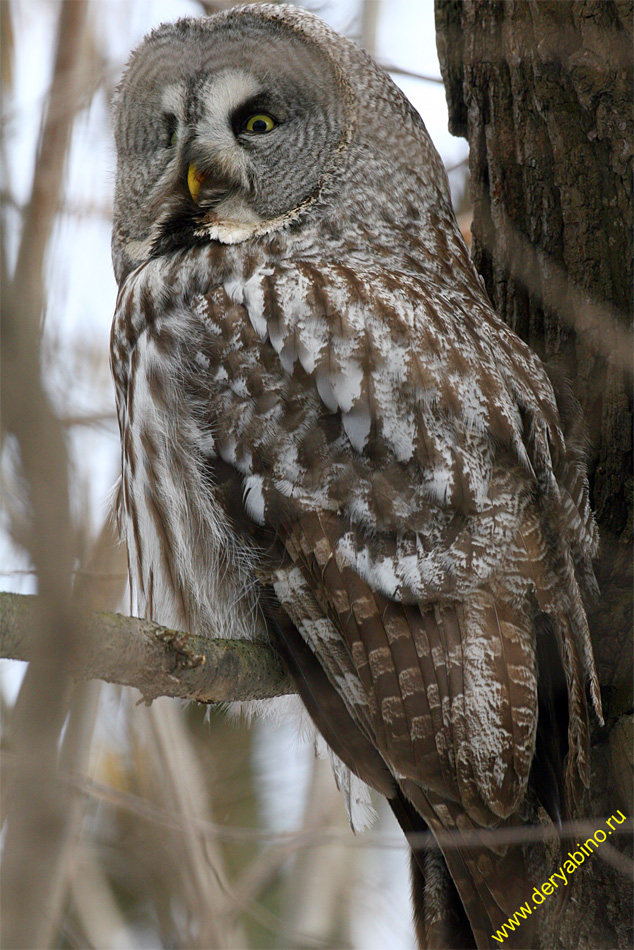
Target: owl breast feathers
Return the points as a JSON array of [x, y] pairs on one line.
[[330, 440]]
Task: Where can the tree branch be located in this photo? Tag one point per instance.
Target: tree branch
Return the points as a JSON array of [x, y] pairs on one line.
[[154, 659]]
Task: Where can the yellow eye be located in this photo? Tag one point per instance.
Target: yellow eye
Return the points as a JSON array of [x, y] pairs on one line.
[[173, 138], [259, 123]]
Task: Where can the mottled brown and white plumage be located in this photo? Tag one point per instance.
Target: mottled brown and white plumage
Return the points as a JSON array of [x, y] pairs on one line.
[[329, 439]]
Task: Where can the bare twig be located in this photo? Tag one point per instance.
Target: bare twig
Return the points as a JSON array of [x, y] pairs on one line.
[[461, 164], [100, 585], [158, 661], [90, 419], [84, 209], [604, 328], [399, 71], [369, 23], [100, 917], [294, 840], [318, 894], [101, 575], [175, 778], [63, 102]]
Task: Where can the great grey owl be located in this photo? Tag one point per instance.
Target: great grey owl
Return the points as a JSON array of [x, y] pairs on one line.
[[331, 442]]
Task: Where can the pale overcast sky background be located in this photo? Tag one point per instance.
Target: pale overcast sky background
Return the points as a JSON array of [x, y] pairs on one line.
[[81, 302]]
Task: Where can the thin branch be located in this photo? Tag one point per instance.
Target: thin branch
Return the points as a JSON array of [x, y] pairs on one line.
[[174, 779], [399, 71], [461, 164], [569, 833], [157, 661], [100, 585], [67, 206], [100, 575], [604, 328], [107, 416], [63, 102]]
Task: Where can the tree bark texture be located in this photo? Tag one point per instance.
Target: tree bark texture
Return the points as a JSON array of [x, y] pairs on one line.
[[155, 660], [543, 93]]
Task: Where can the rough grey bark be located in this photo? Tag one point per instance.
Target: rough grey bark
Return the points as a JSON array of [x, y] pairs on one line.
[[543, 93]]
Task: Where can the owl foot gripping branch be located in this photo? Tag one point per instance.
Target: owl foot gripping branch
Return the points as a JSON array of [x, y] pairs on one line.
[[560, 878]]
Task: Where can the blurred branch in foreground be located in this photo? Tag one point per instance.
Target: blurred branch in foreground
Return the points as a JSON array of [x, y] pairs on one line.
[[157, 661], [38, 806], [290, 841], [411, 74]]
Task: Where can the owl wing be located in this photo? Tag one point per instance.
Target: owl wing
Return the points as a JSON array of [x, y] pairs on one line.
[[403, 459], [447, 694]]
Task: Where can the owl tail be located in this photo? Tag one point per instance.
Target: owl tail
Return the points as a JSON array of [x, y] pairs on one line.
[[440, 919], [465, 892]]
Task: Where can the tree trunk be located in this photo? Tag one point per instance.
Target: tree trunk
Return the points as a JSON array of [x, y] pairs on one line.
[[543, 93]]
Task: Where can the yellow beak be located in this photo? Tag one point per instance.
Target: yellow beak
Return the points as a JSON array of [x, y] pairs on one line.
[[194, 181]]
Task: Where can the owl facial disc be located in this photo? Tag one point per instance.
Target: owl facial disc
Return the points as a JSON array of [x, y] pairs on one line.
[[222, 134]]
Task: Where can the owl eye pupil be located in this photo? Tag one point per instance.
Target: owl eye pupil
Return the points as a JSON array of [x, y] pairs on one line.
[[259, 123]]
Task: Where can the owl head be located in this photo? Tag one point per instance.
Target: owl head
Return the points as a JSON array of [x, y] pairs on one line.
[[262, 118]]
